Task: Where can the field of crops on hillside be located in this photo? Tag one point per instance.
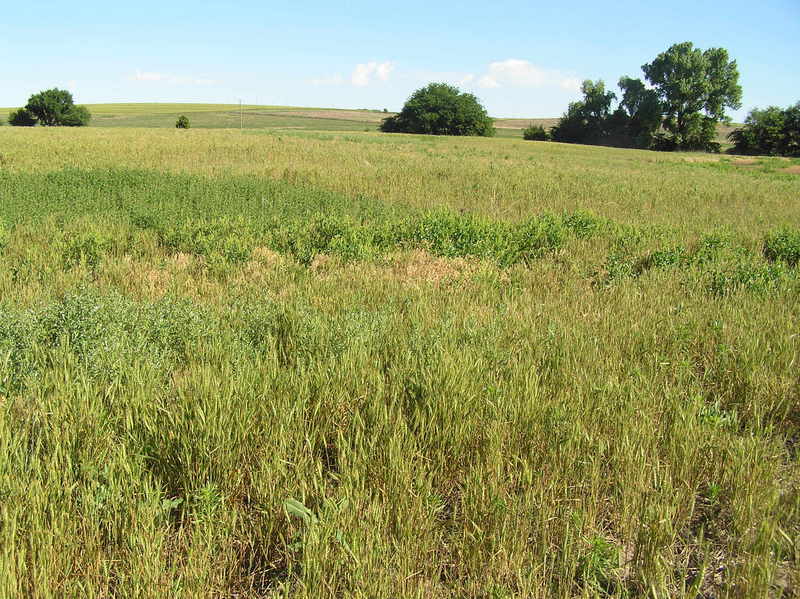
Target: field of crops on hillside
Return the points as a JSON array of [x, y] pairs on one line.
[[326, 364]]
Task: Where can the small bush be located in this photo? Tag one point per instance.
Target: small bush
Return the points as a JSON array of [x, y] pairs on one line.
[[583, 225], [77, 116], [182, 122], [21, 118], [783, 245], [535, 133], [747, 276], [662, 259]]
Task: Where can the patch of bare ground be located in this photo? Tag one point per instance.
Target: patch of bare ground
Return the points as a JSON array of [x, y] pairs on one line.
[[411, 267], [523, 123], [344, 115], [419, 265], [702, 159], [795, 170]]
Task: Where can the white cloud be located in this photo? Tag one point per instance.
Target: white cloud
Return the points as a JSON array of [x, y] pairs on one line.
[[383, 70], [149, 76], [515, 72], [363, 73]]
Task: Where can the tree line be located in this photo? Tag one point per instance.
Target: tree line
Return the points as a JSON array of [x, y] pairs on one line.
[[684, 97]]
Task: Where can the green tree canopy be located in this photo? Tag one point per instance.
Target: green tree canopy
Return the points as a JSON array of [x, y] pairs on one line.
[[55, 106], [642, 106], [772, 131], [695, 87], [586, 120], [441, 109]]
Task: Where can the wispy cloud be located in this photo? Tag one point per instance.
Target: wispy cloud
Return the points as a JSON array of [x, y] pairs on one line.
[[150, 76], [515, 72]]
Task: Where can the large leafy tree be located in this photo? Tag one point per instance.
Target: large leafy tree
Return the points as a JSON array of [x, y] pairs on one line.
[[56, 107], [441, 109], [643, 109], [695, 87], [586, 121]]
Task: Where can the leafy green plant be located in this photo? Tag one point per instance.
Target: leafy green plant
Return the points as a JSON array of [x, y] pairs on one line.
[[582, 224], [86, 249], [746, 275], [597, 567], [182, 122], [783, 245]]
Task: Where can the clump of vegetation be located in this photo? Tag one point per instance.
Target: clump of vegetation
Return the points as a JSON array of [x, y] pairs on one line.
[[86, 249], [783, 245], [182, 122], [441, 109], [535, 133], [746, 275], [773, 132], [21, 117], [226, 238]]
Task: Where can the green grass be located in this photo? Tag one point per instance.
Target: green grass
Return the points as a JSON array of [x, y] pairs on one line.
[[323, 364]]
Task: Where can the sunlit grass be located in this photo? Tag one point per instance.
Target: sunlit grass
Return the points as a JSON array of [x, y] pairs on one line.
[[351, 364]]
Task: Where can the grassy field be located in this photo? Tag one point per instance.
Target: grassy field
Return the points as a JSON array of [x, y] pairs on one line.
[[290, 363], [223, 116]]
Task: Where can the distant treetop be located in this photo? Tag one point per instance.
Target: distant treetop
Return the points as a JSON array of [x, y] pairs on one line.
[[441, 109]]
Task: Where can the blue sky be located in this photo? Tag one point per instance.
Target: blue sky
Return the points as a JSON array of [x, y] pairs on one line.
[[523, 59]]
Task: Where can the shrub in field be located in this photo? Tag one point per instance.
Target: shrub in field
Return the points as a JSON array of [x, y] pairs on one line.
[[535, 133], [783, 245], [441, 109], [182, 122], [772, 131], [21, 118], [77, 116]]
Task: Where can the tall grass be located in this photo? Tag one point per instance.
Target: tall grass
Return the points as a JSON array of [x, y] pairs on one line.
[[218, 383]]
